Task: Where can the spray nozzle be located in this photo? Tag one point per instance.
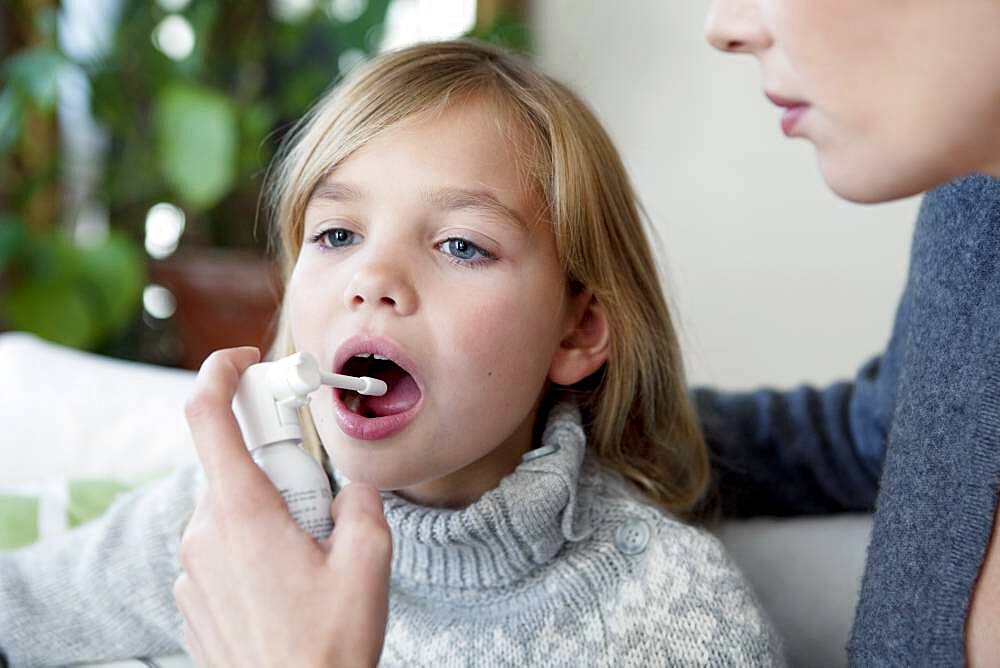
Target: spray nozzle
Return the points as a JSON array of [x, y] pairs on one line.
[[360, 384], [270, 393], [299, 375]]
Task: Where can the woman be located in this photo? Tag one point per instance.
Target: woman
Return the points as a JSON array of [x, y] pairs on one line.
[[897, 97]]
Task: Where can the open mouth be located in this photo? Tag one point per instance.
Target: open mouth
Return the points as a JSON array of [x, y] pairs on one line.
[[376, 418], [403, 393]]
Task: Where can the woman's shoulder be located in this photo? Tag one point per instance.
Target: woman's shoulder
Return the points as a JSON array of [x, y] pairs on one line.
[[678, 586]]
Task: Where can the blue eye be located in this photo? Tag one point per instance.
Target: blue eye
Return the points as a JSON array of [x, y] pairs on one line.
[[335, 237], [465, 252]]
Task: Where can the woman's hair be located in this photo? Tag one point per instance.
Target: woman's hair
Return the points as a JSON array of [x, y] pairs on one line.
[[637, 412]]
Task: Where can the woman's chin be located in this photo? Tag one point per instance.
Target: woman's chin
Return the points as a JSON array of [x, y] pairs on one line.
[[872, 177], [871, 183]]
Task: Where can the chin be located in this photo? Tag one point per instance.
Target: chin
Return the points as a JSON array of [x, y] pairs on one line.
[[875, 177], [382, 480], [874, 183], [385, 474]]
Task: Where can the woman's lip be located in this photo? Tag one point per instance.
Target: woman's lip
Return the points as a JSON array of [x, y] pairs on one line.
[[794, 110], [782, 101], [371, 429], [790, 119]]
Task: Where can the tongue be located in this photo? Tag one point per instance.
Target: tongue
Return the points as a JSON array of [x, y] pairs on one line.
[[403, 393]]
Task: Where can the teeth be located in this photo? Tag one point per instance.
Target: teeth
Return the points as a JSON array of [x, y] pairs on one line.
[[364, 355], [380, 357], [353, 401]]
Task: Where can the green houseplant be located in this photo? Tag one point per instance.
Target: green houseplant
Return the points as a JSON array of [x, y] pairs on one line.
[[78, 294], [193, 97]]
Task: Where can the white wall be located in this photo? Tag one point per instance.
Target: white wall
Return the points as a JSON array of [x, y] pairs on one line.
[[777, 281]]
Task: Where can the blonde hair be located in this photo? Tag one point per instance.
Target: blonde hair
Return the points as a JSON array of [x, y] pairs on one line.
[[637, 412]]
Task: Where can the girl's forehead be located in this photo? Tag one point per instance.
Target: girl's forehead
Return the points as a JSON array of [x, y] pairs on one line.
[[460, 148]]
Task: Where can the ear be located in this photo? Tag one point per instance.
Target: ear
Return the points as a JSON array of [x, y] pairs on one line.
[[584, 346]]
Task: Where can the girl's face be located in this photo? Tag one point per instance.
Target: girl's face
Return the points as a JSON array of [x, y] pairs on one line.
[[896, 95], [429, 245]]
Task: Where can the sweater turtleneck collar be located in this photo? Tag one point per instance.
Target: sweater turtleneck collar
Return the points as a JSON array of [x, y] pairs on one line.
[[506, 534]]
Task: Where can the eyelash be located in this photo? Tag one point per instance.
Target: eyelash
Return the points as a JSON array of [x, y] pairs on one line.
[[485, 256]]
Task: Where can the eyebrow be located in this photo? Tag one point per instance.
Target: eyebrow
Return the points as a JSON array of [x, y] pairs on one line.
[[335, 192], [452, 199], [446, 199]]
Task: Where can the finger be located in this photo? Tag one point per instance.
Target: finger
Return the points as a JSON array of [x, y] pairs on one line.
[[360, 530], [193, 646], [185, 595], [201, 630], [219, 444], [361, 541]]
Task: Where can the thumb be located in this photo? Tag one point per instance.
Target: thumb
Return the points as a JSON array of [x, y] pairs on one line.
[[355, 500], [357, 503], [360, 531]]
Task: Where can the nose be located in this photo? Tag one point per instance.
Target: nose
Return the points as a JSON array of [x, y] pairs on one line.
[[381, 285], [736, 26]]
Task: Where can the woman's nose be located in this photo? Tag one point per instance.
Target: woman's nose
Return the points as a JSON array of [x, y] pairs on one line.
[[735, 26], [381, 285]]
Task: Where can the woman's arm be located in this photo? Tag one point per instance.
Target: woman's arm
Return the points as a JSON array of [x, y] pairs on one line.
[[805, 450]]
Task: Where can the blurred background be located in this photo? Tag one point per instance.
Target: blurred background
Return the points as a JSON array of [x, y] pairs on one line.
[[134, 135]]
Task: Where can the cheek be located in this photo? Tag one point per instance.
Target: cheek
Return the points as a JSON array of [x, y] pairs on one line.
[[505, 342], [309, 307], [826, 46], [296, 298]]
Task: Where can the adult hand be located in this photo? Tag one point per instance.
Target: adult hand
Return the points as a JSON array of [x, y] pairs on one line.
[[255, 589]]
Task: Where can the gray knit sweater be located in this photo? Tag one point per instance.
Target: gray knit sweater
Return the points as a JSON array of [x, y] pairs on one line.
[[562, 564]]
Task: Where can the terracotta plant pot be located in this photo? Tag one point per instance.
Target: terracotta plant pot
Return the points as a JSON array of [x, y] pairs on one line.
[[225, 298]]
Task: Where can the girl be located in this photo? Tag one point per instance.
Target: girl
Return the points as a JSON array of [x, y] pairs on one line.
[[896, 97], [461, 226]]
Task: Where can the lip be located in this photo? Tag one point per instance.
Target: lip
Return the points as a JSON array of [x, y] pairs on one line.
[[373, 429], [794, 111]]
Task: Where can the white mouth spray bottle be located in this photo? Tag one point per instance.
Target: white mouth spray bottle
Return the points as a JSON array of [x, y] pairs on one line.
[[266, 406]]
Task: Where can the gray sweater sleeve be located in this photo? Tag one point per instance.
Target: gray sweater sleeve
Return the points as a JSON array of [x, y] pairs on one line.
[[103, 591]]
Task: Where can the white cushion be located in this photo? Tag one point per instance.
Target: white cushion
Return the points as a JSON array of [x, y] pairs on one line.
[[66, 412]]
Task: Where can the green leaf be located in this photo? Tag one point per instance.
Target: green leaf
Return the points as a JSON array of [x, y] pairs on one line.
[[47, 22], [116, 270], [256, 122], [57, 311], [75, 296], [35, 73], [13, 240], [507, 31], [197, 138], [11, 118], [51, 258]]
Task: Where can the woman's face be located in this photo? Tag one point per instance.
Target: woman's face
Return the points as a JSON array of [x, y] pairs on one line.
[[897, 95], [429, 246]]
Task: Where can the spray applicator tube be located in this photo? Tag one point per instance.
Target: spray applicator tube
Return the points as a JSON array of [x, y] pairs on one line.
[[266, 406]]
